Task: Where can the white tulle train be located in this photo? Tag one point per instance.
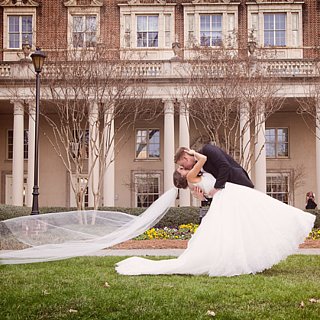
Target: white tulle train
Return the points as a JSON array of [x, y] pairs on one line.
[[63, 235], [244, 231]]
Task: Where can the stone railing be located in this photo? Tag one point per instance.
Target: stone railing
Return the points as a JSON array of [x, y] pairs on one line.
[[143, 69], [5, 70], [170, 69], [285, 68]]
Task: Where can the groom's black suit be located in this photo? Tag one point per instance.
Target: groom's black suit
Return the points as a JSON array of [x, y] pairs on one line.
[[224, 168]]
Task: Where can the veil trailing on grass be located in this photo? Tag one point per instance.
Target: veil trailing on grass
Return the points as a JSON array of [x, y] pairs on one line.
[[61, 235]]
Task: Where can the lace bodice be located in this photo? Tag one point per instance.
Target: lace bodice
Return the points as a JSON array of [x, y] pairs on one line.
[[206, 183]]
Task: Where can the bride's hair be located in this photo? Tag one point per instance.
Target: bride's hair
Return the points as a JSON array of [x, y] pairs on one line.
[[179, 181]]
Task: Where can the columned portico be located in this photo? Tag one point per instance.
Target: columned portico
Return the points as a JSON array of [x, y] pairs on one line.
[[18, 157], [168, 157], [31, 146], [318, 147], [245, 136], [260, 152], [184, 141], [93, 165], [109, 175]]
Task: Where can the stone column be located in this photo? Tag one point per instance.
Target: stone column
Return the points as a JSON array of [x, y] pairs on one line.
[[109, 176], [260, 152], [31, 146], [245, 136], [184, 141], [18, 157], [318, 148], [168, 157], [94, 149]]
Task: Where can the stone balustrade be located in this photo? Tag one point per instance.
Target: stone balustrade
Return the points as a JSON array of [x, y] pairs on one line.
[[5, 70], [166, 69]]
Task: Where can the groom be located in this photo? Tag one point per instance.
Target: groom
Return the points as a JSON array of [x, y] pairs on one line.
[[221, 165]]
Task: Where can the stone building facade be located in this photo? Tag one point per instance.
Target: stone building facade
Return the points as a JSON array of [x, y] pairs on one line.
[[160, 40]]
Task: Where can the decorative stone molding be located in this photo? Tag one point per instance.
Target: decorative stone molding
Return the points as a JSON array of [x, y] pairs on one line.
[[212, 2], [273, 2], [74, 3], [168, 105], [19, 3], [18, 106], [133, 2]]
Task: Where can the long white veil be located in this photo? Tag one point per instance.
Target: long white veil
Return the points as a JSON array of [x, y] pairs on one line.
[[62, 235]]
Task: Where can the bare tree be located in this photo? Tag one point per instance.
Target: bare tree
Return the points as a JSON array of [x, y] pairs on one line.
[[87, 91], [224, 90], [309, 107]]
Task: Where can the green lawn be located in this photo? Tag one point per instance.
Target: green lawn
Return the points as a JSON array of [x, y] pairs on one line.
[[75, 289]]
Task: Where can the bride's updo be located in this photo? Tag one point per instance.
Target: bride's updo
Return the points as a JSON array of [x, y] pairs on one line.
[[179, 181]]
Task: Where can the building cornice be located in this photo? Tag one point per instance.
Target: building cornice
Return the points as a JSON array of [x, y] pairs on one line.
[[19, 3], [275, 2], [74, 3], [211, 3]]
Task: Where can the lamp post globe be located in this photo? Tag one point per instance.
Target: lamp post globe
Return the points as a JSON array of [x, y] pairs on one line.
[[38, 60]]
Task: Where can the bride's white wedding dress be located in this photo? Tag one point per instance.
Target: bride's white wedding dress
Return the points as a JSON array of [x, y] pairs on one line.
[[245, 231]]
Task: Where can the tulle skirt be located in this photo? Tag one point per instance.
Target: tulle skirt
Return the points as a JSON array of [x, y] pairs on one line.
[[244, 232]]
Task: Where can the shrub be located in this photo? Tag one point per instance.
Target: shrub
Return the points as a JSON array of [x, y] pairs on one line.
[[314, 234], [175, 216], [183, 232], [9, 212], [316, 212]]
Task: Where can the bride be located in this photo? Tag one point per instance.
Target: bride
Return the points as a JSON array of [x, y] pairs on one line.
[[245, 231]]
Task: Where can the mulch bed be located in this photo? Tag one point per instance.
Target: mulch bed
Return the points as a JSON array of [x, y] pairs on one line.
[[182, 244], [310, 244], [152, 244]]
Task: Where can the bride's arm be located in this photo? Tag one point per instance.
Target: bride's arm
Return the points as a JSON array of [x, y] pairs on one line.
[[192, 175]]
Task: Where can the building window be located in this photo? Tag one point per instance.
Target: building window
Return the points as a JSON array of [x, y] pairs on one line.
[[191, 29], [147, 144], [278, 187], [79, 145], [127, 36], [147, 188], [147, 31], [295, 29], [148, 27], [82, 182], [19, 31], [9, 190], [84, 31], [277, 142], [211, 30], [10, 145], [167, 30], [274, 29]]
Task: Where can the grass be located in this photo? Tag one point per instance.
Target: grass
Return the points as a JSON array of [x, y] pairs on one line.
[[75, 289]]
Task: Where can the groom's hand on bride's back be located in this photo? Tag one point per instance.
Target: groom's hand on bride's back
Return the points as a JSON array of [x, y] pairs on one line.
[[198, 193], [213, 192]]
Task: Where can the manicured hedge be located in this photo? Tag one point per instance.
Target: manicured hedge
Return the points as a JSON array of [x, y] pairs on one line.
[[173, 218], [8, 212], [316, 212]]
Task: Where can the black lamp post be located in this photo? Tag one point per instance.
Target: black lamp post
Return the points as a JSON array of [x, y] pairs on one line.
[[38, 59]]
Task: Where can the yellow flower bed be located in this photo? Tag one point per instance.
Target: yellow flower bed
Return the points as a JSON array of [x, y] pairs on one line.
[[314, 234], [184, 231]]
